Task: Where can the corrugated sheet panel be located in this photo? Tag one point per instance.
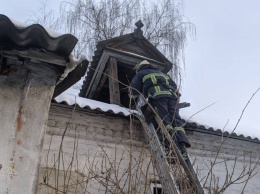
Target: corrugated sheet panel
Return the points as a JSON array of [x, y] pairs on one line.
[[91, 70], [71, 100], [13, 35], [210, 130]]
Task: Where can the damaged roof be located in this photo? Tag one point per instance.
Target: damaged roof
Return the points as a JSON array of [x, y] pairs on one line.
[[15, 35], [23, 42]]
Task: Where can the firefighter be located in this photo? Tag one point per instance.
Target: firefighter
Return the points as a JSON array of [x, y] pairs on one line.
[[162, 94]]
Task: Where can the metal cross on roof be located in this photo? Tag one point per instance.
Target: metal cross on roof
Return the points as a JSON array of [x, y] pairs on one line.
[[138, 33], [139, 24]]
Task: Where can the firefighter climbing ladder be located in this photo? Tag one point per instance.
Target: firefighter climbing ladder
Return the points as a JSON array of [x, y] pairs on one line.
[[161, 162]]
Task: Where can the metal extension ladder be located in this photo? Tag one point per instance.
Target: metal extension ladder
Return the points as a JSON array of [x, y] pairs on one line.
[[163, 166]]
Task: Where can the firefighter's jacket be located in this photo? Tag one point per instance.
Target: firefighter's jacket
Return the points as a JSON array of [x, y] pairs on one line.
[[152, 83]]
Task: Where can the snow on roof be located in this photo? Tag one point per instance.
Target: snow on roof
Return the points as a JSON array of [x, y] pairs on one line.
[[17, 34], [71, 99], [225, 132], [21, 25]]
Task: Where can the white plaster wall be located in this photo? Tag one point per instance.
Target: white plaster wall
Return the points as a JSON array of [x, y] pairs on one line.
[[204, 151], [25, 98], [98, 134], [100, 144]]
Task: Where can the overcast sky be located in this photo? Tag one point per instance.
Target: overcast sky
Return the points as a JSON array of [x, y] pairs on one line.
[[222, 63]]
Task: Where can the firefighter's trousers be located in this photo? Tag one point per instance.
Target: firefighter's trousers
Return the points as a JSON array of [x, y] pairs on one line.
[[167, 110]]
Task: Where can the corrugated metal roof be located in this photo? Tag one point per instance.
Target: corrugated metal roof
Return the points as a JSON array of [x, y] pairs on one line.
[[91, 71], [71, 100], [21, 41], [202, 128], [13, 35]]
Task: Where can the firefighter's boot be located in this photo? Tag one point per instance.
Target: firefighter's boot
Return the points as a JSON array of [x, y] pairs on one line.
[[183, 150]]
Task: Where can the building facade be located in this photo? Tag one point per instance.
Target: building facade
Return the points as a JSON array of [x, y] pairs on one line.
[[101, 141]]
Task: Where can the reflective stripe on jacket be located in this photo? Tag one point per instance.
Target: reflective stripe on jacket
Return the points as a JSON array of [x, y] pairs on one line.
[[153, 84]]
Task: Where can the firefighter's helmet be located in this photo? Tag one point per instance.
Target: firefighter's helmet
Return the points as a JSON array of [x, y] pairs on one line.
[[142, 64]]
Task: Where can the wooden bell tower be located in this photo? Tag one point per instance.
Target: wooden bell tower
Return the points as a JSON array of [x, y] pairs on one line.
[[111, 69]]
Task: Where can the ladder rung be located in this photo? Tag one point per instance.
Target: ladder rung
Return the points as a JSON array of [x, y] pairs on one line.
[[162, 161]]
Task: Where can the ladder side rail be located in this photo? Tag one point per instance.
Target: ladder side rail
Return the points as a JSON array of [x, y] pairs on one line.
[[188, 169], [192, 176], [158, 157]]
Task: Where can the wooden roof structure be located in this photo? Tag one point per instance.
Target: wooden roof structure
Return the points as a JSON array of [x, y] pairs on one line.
[[33, 42], [112, 65]]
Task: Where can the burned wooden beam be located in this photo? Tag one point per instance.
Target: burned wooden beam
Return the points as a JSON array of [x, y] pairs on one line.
[[102, 82], [73, 77], [36, 55], [114, 92]]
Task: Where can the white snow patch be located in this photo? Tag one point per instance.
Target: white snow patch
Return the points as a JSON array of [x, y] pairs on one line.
[[21, 25], [71, 99], [72, 64]]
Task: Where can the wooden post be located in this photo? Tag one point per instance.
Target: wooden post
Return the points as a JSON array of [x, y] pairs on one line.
[[114, 92], [101, 83]]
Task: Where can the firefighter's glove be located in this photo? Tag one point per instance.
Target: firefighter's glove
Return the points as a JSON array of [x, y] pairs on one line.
[[170, 129], [179, 129], [178, 93]]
